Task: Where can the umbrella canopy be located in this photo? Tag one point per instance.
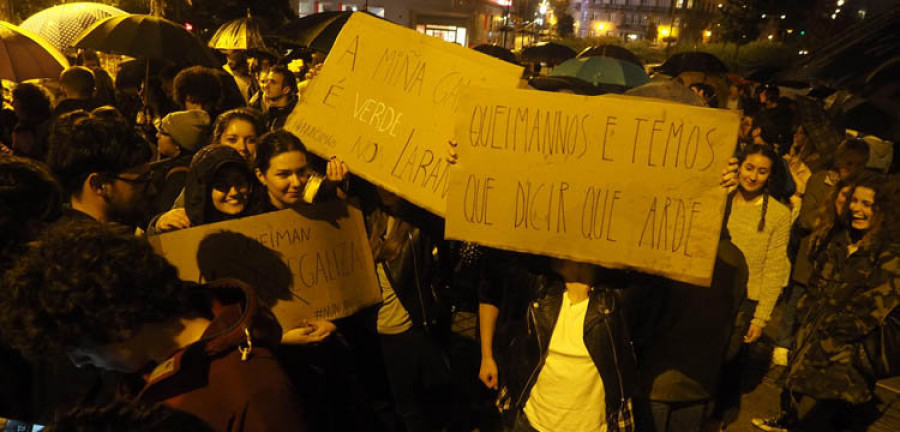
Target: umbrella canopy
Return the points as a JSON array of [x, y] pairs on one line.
[[317, 31], [547, 52], [147, 36], [668, 90], [613, 51], [692, 62], [497, 51], [818, 125], [239, 34], [603, 71], [25, 55], [566, 84], [61, 25]]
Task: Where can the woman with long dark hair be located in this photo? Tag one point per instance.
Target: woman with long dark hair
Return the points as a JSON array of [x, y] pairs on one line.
[[760, 227]]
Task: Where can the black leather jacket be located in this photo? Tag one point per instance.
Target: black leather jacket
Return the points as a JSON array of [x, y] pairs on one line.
[[529, 306]]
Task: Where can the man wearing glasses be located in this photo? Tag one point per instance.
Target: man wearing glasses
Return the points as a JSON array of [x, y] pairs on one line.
[[103, 165]]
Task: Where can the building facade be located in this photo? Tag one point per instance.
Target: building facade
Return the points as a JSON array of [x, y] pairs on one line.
[[639, 19], [466, 22]]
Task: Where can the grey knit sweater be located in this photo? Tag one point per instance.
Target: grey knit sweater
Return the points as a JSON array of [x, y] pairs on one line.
[[765, 251]]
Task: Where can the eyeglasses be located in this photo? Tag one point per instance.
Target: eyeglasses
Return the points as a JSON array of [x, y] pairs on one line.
[[142, 180]]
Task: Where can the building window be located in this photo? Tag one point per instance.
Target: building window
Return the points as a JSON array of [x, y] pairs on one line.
[[448, 33]]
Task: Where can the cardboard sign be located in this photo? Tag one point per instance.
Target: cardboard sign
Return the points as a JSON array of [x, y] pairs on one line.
[[384, 102], [311, 263], [613, 180]]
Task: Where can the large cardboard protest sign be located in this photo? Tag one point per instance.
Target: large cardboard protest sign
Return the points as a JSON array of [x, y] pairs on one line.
[[613, 180], [384, 102], [311, 263]]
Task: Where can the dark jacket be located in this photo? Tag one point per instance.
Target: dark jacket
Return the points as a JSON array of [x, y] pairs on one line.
[[169, 176], [681, 346], [275, 117], [415, 274], [200, 177], [214, 380], [68, 105], [847, 298], [529, 306]]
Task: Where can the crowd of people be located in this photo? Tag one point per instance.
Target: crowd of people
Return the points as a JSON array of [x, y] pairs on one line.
[[466, 337]]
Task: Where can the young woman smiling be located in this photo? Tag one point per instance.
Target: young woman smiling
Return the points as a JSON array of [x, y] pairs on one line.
[[760, 227]]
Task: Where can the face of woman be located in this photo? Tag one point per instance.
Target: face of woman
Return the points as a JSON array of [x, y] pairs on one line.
[[230, 191], [861, 208], [841, 199], [241, 136], [755, 172], [285, 178], [166, 145]]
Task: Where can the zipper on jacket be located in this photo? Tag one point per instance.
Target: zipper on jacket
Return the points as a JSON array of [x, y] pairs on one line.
[[531, 379], [413, 252], [612, 343]]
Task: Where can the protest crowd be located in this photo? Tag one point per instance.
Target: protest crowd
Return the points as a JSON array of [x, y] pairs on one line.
[[101, 330]]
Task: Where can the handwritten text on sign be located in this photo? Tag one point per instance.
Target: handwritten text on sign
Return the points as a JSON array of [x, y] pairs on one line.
[[614, 180], [309, 263], [384, 102]]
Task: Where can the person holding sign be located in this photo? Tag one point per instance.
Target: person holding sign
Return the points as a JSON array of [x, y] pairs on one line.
[[760, 228], [219, 187]]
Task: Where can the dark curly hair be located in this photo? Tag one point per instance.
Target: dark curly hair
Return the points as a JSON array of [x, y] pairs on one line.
[[29, 198], [85, 284], [82, 143], [885, 223], [32, 103], [200, 84], [124, 416]]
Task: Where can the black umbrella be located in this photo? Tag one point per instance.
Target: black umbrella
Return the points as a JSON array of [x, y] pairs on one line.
[[692, 62], [149, 37], [497, 51], [317, 31], [613, 51], [547, 52]]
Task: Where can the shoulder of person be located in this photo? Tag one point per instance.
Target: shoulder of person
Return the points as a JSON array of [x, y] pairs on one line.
[[778, 211]]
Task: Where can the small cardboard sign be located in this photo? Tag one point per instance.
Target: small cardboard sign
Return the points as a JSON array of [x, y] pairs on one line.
[[307, 263]]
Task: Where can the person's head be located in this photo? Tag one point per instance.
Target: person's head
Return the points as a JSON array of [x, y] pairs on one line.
[[91, 291], [851, 157], [182, 132], [756, 172], [88, 59], [734, 91], [218, 185], [282, 166], [872, 211], [239, 129], [77, 82], [769, 95], [197, 87], [102, 165], [279, 84], [32, 103], [122, 416], [30, 198], [237, 62]]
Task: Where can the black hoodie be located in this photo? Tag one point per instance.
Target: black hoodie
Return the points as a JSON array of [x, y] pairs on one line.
[[198, 185]]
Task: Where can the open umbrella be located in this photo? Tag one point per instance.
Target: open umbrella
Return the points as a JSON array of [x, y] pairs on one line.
[[613, 51], [149, 37], [317, 31], [25, 55], [239, 34], [565, 84], [547, 52], [497, 52], [694, 61], [603, 71], [61, 25]]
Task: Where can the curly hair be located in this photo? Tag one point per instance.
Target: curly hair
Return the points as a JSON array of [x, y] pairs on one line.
[[200, 84], [249, 115], [32, 103], [827, 218], [82, 143], [120, 416], [29, 195], [885, 211], [85, 284]]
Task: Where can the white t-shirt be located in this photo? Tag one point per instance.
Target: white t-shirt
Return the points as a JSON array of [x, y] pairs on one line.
[[568, 395]]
